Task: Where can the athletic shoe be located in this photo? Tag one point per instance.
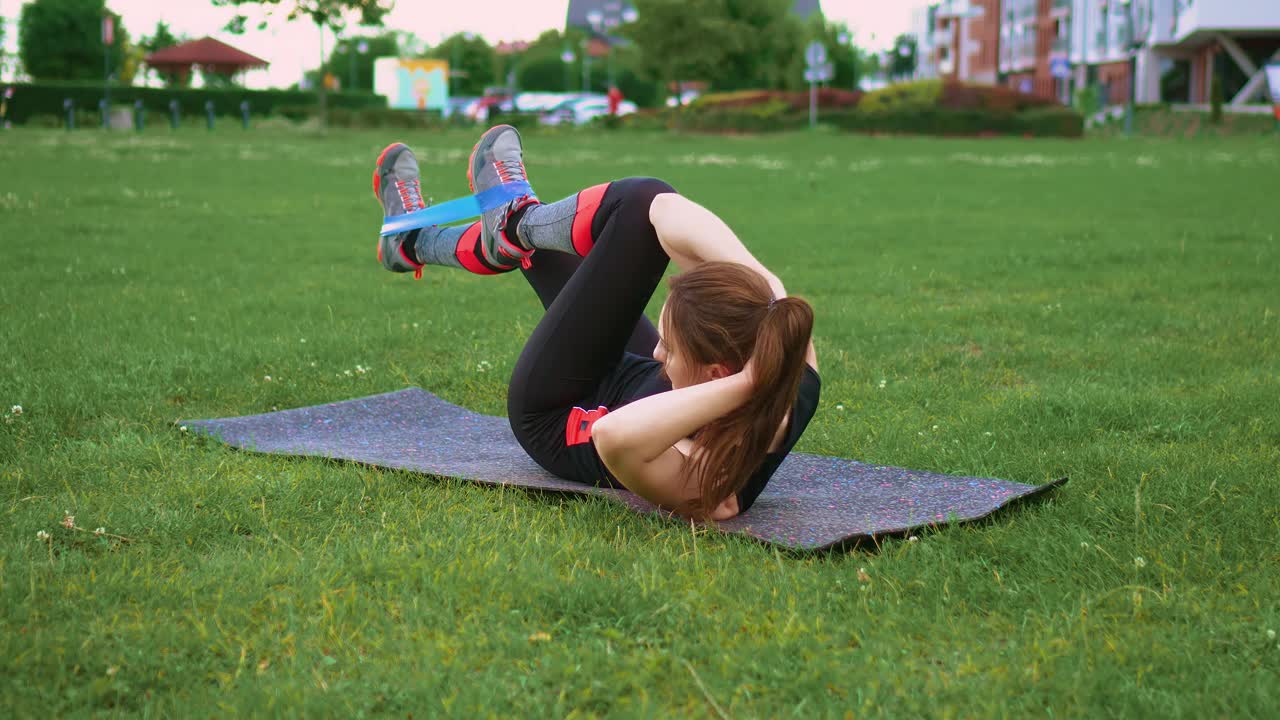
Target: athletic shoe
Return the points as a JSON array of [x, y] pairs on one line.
[[498, 158], [397, 187]]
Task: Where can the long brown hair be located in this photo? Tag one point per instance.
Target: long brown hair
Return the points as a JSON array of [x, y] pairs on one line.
[[722, 312]]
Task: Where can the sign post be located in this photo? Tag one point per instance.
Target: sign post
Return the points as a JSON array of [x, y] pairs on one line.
[[817, 70], [1273, 80], [108, 39]]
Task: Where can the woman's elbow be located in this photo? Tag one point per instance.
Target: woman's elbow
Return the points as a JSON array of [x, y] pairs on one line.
[[608, 439]]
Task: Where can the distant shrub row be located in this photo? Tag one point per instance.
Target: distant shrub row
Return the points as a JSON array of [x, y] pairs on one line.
[[46, 99], [920, 108]]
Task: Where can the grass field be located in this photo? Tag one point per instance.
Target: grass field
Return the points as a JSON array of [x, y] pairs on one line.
[[1107, 310]]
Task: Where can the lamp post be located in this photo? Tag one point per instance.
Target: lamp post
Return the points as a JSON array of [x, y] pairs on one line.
[[567, 57], [846, 38], [361, 48], [605, 22], [1133, 46]]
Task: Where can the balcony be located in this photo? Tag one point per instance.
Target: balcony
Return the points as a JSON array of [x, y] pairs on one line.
[[1202, 19]]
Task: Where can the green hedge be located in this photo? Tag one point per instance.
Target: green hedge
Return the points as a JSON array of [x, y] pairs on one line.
[[36, 99], [1040, 122]]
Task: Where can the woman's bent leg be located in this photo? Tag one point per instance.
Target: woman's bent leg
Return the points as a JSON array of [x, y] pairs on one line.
[[551, 271], [588, 325]]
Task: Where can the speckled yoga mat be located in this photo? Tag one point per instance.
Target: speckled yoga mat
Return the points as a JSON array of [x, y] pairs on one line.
[[813, 502]]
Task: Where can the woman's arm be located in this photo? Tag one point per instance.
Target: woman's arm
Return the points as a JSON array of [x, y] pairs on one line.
[[637, 442], [692, 234]]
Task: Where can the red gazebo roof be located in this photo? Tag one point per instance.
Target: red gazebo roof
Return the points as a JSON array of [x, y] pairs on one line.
[[205, 52]]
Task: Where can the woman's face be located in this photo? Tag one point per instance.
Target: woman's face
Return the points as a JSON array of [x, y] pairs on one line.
[[677, 368]]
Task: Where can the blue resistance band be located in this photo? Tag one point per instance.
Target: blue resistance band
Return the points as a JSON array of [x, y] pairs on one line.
[[459, 209]]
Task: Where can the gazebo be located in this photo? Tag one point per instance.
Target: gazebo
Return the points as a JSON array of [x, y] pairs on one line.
[[208, 54]]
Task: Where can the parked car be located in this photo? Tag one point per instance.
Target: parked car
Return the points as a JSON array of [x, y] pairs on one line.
[[686, 97], [580, 111]]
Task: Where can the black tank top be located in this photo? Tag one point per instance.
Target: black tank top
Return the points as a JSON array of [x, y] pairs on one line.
[[639, 377]]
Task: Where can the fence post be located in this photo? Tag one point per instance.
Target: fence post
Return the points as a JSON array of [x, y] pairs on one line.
[[244, 114], [70, 106], [208, 109], [139, 116], [174, 114]]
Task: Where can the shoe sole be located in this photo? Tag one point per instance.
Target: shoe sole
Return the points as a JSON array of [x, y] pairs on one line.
[[377, 169], [377, 181], [471, 161]]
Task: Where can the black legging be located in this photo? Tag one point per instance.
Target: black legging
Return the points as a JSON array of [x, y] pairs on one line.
[[594, 316]]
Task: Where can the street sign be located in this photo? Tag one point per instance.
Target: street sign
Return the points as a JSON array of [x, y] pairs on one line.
[[819, 74], [1060, 68], [815, 54]]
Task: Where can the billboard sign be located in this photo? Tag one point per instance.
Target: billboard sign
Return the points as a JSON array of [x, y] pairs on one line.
[[412, 84]]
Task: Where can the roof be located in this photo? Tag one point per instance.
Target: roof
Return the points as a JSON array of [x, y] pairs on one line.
[[205, 51]]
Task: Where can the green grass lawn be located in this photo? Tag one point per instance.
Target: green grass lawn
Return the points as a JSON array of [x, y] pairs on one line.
[[1106, 310]]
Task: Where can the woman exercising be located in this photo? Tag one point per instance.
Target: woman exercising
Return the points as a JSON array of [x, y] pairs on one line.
[[695, 415]]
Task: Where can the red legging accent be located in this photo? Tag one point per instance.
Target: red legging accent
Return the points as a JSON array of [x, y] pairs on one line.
[[466, 252], [588, 204]]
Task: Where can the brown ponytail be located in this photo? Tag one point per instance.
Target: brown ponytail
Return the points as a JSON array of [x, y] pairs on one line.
[[725, 313]]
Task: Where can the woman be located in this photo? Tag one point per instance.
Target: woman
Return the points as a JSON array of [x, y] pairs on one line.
[[694, 415]]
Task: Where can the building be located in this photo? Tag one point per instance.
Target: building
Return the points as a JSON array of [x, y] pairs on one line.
[[1054, 47]]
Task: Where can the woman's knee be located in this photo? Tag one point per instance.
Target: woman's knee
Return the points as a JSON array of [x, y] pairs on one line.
[[639, 192]]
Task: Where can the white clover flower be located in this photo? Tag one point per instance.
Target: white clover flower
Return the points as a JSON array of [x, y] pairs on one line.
[[99, 532], [43, 536], [840, 407], [921, 433], [1140, 562], [182, 428], [987, 434], [361, 369], [266, 378], [69, 522], [484, 366], [302, 340], [16, 409], [935, 427], [347, 373], [1084, 546], [1271, 634], [883, 382], [913, 539]]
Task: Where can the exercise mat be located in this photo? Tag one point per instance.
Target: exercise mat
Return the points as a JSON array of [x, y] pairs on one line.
[[812, 502]]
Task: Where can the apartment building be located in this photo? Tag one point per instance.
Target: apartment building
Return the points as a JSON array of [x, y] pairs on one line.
[[1232, 38], [1052, 47], [958, 40]]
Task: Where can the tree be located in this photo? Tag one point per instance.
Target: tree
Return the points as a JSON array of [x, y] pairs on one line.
[[62, 39], [472, 63], [682, 40], [347, 57], [162, 38], [768, 46], [332, 14], [902, 64], [4, 22]]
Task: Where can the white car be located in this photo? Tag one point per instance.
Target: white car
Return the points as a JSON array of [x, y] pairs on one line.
[[581, 111]]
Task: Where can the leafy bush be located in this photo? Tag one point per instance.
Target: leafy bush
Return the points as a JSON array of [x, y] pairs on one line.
[[32, 99], [920, 95], [1042, 122], [828, 99]]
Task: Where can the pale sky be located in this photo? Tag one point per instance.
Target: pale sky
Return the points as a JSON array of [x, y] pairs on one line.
[[293, 47]]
